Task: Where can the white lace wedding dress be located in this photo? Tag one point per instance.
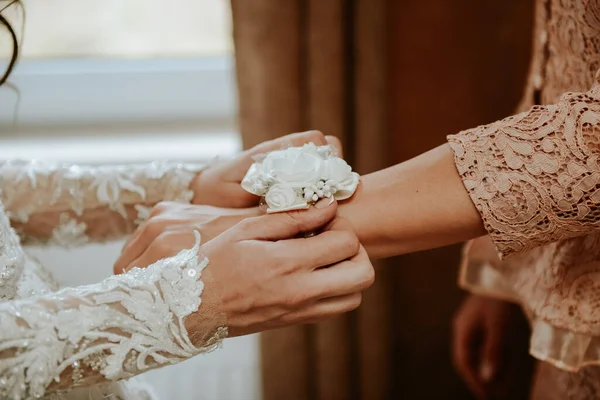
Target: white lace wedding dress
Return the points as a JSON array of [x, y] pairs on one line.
[[77, 343]]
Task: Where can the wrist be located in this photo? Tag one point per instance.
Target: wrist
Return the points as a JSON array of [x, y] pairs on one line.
[[199, 187], [364, 218]]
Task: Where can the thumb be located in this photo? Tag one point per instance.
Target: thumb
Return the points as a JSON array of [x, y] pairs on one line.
[[289, 224]]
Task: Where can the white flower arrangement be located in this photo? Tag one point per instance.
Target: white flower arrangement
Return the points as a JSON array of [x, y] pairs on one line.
[[295, 178]]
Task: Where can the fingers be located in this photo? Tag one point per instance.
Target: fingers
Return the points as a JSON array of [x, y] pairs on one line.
[[167, 244], [323, 309], [308, 314], [233, 195], [233, 172], [491, 357], [287, 225], [294, 139], [346, 277], [340, 224], [209, 221], [138, 243], [464, 338], [245, 160], [134, 247], [324, 249]]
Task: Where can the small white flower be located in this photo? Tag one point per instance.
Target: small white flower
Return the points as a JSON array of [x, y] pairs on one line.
[[337, 170], [293, 178], [292, 166], [259, 187], [281, 196], [308, 193]]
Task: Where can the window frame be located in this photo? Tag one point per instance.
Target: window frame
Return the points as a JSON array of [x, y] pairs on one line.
[[66, 110], [110, 92]]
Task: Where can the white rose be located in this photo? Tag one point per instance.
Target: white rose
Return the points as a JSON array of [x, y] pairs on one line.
[[293, 165], [293, 177], [336, 169], [281, 197]]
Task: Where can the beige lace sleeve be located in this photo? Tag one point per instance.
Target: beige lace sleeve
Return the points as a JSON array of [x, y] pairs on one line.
[[109, 331], [70, 205], [535, 177]]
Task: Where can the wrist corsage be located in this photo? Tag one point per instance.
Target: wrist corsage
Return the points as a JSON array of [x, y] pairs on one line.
[[296, 177]]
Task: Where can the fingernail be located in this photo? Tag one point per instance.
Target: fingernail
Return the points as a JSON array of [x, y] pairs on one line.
[[486, 372], [324, 203]]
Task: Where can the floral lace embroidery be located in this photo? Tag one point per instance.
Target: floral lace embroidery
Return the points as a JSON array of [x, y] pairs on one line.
[[535, 177], [29, 189], [554, 384], [69, 232], [108, 331], [573, 47], [12, 258]]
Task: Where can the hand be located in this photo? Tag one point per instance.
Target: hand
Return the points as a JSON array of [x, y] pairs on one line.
[[168, 217], [487, 345], [219, 185], [269, 277]]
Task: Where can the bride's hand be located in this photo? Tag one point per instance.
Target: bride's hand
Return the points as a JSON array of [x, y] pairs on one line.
[[166, 217], [269, 277], [219, 185]]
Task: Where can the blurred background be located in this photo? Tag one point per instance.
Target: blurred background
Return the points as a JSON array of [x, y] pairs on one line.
[[118, 81]]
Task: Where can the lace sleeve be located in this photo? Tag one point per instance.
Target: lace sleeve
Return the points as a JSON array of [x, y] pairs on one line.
[[69, 205], [535, 177], [113, 330]]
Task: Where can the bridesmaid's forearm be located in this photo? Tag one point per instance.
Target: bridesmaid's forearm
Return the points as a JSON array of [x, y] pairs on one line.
[[417, 205]]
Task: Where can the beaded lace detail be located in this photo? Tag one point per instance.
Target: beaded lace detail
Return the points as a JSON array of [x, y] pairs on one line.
[[113, 330], [12, 259], [53, 342]]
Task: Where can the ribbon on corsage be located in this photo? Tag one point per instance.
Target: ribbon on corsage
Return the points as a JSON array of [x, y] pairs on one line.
[[296, 177]]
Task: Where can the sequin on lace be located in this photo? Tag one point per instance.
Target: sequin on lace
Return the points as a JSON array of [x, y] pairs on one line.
[[103, 332], [108, 331]]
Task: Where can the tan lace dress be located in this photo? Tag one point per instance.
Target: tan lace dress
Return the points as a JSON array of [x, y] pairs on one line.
[[535, 179]]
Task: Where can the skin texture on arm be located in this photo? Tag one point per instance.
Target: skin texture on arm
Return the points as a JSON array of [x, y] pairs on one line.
[[70, 205], [526, 180], [529, 180], [416, 205], [419, 204]]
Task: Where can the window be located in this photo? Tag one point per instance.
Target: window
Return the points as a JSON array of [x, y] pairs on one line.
[[114, 81], [126, 28], [125, 69]]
